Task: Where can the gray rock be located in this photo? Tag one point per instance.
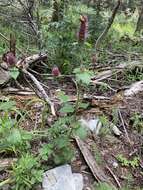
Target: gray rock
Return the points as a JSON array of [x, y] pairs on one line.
[[115, 130], [62, 178], [93, 125], [78, 180]]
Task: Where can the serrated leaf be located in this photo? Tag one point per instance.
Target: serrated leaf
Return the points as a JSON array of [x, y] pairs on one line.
[[63, 97], [14, 73], [83, 105], [14, 137], [83, 75], [67, 108], [81, 132], [6, 106]]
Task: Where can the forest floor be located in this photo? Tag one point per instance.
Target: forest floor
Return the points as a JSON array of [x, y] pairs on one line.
[[119, 157]]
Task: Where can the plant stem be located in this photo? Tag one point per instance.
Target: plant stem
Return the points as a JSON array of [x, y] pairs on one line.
[[7, 181]]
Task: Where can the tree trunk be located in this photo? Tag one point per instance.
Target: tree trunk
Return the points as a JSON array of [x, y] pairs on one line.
[[139, 26]]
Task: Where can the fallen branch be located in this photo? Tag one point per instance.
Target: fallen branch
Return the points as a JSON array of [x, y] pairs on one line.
[[90, 160], [107, 72], [114, 176], [41, 92], [16, 91], [7, 162], [31, 59], [124, 127]]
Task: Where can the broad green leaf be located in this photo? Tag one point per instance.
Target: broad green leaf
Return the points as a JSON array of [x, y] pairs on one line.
[[14, 73], [67, 109], [14, 137], [83, 105], [6, 106], [63, 97], [103, 186], [83, 75], [81, 132]]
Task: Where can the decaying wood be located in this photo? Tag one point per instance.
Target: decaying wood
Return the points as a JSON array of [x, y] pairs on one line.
[[16, 91], [134, 89], [41, 92], [90, 160], [27, 61], [6, 163], [88, 97], [107, 72]]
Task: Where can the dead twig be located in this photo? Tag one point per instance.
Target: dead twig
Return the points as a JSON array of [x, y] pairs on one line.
[[114, 176], [7, 162], [124, 127], [42, 94]]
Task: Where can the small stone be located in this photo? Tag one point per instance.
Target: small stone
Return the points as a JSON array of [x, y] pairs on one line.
[[115, 130], [93, 125], [115, 164]]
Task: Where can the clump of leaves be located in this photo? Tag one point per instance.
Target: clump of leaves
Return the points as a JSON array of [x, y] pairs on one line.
[[126, 162], [83, 75], [15, 140], [12, 138], [59, 148], [26, 173], [137, 120], [106, 126], [67, 107], [103, 186]]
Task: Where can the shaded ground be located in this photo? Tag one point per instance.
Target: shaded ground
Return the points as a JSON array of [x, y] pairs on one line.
[[105, 147]]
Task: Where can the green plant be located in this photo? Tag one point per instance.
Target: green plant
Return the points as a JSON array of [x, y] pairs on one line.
[[106, 126], [11, 137], [97, 155], [137, 122], [125, 162], [26, 173], [14, 72], [59, 148], [103, 186]]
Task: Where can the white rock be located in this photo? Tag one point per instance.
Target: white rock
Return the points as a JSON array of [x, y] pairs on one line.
[[78, 180], [115, 130], [115, 164], [93, 124], [61, 178]]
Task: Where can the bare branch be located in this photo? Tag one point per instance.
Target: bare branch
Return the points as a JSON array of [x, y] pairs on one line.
[[110, 22]]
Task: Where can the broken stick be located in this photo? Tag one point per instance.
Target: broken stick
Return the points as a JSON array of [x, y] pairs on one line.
[[90, 160], [42, 94]]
